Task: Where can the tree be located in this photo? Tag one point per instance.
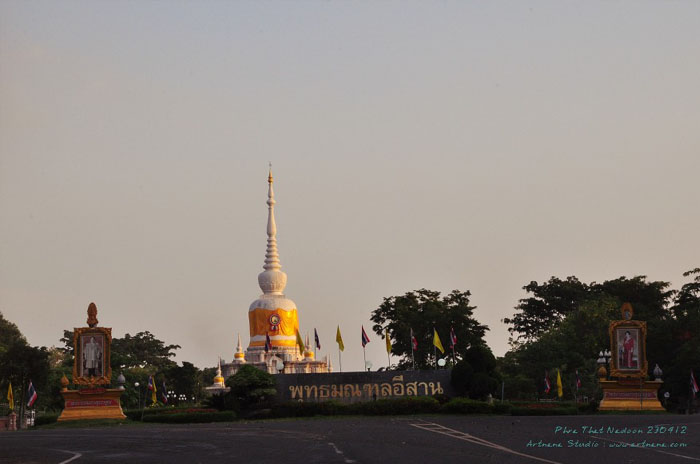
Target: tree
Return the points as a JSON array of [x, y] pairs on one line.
[[142, 350], [185, 379], [475, 375], [251, 388], [9, 334], [682, 348], [564, 325], [20, 362], [552, 301], [422, 311]]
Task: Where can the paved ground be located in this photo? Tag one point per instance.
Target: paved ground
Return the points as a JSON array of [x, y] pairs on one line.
[[404, 440]]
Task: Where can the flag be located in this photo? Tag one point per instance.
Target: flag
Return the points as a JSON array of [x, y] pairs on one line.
[[152, 387], [693, 384], [268, 343], [339, 339], [10, 397], [560, 393], [437, 342], [547, 385], [365, 338], [388, 341], [31, 394], [414, 342], [317, 340], [164, 393], [453, 338], [578, 380], [300, 343]]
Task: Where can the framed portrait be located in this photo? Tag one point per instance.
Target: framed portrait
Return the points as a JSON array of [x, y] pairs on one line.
[[628, 342], [92, 356]]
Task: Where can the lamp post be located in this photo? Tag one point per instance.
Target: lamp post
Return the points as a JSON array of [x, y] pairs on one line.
[[138, 405], [603, 362]]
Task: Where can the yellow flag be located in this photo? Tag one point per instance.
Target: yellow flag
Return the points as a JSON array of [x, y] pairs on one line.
[[388, 341], [560, 392], [10, 397], [300, 342], [437, 342], [154, 398], [339, 339]]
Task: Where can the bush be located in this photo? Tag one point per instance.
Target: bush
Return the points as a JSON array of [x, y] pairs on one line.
[[251, 388], [191, 417], [467, 406], [136, 414], [554, 411], [399, 406], [461, 377], [588, 408], [300, 409], [385, 407], [45, 419]]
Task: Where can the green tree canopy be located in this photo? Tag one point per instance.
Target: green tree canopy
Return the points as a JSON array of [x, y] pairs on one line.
[[20, 362], [9, 334], [142, 350], [251, 388], [564, 325], [552, 301], [422, 310]]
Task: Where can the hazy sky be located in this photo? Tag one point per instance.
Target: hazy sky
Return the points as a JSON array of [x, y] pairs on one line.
[[446, 145]]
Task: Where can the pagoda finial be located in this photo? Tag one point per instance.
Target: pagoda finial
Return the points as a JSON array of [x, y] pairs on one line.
[[272, 280], [239, 356]]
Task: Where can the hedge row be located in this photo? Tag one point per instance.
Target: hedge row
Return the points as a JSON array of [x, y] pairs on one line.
[[384, 407], [45, 419], [422, 405], [191, 417], [467, 406], [136, 414]]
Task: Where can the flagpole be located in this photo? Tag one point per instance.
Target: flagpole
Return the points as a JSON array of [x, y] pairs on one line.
[[340, 360], [454, 362], [413, 358], [364, 354], [435, 353]]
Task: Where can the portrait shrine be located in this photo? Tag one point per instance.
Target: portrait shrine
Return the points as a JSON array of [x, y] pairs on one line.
[[92, 374], [625, 385]]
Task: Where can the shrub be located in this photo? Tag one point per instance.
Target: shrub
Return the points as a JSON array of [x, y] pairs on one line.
[[461, 377], [191, 417], [555, 411], [251, 388], [45, 419], [467, 406], [385, 407], [398, 406], [136, 414]]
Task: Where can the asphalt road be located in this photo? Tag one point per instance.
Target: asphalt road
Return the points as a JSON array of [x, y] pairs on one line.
[[404, 440]]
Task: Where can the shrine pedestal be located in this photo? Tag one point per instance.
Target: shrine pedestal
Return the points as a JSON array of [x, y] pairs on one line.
[[92, 403], [626, 395]]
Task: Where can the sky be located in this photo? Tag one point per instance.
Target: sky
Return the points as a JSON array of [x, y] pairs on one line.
[[443, 145]]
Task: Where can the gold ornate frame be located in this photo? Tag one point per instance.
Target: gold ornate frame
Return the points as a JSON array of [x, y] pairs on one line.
[[92, 381], [615, 370]]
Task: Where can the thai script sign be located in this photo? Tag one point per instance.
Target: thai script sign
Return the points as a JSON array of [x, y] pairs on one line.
[[350, 387], [627, 395], [91, 403]]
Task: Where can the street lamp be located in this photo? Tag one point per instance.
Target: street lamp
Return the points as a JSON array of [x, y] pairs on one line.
[[603, 360], [136, 384]]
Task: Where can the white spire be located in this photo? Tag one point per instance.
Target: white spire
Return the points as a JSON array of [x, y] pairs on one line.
[[272, 280], [239, 347]]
